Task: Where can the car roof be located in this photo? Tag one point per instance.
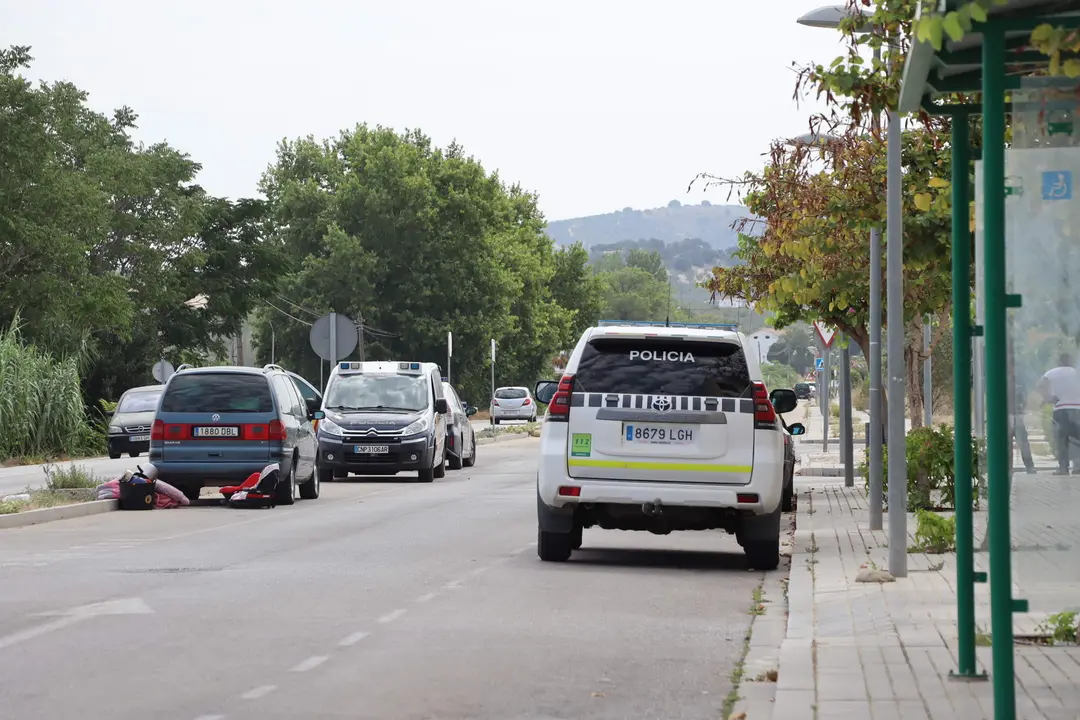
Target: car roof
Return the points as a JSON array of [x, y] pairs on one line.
[[721, 334], [144, 388]]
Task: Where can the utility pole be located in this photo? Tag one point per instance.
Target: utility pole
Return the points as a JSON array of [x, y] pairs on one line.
[[360, 333]]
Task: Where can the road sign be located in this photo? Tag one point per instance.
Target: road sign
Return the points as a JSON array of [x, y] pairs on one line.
[[825, 332], [449, 344], [493, 351], [343, 330], [819, 363], [163, 370]]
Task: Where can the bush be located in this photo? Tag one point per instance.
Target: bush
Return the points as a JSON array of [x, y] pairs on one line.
[[779, 375], [41, 405], [931, 481]]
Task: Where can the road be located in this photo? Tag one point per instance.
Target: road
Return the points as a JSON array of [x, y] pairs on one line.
[[17, 479], [379, 600]]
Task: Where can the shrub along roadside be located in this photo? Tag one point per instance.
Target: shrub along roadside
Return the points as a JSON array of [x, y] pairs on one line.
[[931, 470]]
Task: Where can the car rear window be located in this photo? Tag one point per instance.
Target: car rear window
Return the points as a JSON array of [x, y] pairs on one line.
[[139, 402], [663, 367], [802, 386], [218, 393], [511, 393]]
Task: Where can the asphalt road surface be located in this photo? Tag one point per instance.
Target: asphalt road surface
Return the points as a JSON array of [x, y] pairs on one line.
[[378, 601], [17, 479]]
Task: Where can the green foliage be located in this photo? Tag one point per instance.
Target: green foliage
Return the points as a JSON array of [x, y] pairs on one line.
[[41, 408], [931, 481], [796, 347], [1061, 627], [934, 533], [69, 478], [778, 375]]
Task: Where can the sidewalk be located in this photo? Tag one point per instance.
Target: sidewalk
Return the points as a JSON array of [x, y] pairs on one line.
[[884, 650]]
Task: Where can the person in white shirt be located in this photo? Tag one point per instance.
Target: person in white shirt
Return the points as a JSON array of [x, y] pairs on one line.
[[1061, 387]]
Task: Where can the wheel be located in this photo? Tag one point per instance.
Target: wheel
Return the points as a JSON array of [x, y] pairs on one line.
[[440, 468], [496, 421], [114, 455], [554, 547], [285, 492], [533, 419], [310, 489], [191, 492], [575, 537], [326, 475], [426, 476], [763, 554], [132, 454], [455, 462], [471, 460], [788, 498]]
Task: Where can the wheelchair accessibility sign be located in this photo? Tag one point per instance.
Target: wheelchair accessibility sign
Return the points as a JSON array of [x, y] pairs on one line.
[[1057, 185]]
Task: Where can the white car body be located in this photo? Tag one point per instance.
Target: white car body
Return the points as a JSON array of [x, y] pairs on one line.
[[515, 403], [708, 455]]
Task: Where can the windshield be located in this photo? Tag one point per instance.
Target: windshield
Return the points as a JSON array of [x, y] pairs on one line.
[[218, 393], [139, 402], [378, 392], [660, 366], [511, 393], [452, 398]]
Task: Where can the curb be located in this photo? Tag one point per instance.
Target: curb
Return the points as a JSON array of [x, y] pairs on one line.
[[64, 512], [502, 438], [839, 471]]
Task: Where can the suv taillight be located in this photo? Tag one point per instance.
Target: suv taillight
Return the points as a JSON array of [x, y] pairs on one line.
[[277, 430], [157, 432], [764, 414], [559, 407]]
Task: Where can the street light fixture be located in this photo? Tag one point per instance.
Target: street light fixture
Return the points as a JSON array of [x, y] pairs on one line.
[[831, 17]]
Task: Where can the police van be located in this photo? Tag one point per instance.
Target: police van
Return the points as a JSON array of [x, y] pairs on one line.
[[662, 427], [383, 418]]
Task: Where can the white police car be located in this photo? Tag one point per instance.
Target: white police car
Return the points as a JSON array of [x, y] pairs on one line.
[[661, 428]]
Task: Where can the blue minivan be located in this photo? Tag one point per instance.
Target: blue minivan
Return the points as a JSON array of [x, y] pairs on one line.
[[216, 425]]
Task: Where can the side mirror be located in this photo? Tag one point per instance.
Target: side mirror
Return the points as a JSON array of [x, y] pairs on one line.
[[318, 415], [312, 405], [441, 407], [545, 390], [470, 411], [784, 401], [796, 429]]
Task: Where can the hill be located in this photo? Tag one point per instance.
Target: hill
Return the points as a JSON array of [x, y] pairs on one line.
[[676, 222]]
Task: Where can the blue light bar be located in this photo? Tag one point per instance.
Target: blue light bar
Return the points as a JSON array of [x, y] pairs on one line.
[[648, 323], [445, 380], [344, 366], [414, 366]]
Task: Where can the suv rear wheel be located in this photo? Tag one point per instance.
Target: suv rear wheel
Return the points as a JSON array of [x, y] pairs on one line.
[[763, 554], [310, 489], [554, 547], [285, 492]]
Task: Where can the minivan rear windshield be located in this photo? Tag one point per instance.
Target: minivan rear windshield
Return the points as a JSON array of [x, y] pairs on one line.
[[218, 393], [661, 366], [138, 402], [511, 393]]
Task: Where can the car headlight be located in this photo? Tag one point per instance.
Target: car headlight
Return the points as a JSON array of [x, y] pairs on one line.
[[417, 427], [329, 427], [115, 429]]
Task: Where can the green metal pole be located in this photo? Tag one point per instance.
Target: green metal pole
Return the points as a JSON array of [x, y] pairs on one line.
[[998, 441], [961, 295]]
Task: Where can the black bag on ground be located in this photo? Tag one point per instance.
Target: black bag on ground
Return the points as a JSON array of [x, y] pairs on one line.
[[137, 495]]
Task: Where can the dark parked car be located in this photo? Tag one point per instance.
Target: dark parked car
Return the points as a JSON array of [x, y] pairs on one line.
[[802, 391], [129, 427]]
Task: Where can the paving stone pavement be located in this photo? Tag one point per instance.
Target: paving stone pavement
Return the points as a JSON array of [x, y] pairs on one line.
[[881, 651]]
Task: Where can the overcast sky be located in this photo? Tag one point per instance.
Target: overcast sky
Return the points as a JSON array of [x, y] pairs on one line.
[[596, 104]]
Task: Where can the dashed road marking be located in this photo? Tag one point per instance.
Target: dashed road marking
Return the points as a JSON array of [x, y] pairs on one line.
[[311, 663], [426, 597], [453, 585], [352, 639], [392, 616], [261, 691]]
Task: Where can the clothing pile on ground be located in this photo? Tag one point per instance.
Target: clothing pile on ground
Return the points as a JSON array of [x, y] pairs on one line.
[[165, 495]]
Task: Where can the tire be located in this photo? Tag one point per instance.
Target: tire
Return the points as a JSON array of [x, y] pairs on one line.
[[284, 493], [471, 460], [763, 554], [325, 475], [191, 492], [496, 421], [132, 454], [439, 470], [310, 489], [455, 462], [114, 455], [787, 503], [554, 547], [426, 476], [576, 537]]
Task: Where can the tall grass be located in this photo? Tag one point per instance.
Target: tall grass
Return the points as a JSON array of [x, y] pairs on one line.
[[41, 406]]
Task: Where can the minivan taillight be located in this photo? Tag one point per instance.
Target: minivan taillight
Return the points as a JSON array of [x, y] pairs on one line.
[[764, 414], [157, 432], [277, 430], [559, 407]]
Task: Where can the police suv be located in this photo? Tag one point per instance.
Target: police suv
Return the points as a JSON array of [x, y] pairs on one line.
[[662, 427], [382, 418]]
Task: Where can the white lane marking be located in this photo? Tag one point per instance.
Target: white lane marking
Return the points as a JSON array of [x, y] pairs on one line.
[[453, 585], [353, 639], [426, 597], [311, 663], [261, 691], [210, 717], [392, 616]]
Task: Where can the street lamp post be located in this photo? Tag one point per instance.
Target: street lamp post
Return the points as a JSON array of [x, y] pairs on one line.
[[830, 17]]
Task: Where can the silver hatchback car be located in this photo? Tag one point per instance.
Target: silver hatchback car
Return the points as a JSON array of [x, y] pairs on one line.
[[513, 403]]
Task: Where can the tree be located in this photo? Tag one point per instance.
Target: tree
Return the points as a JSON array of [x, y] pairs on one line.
[[415, 241], [796, 347], [575, 287], [634, 285]]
